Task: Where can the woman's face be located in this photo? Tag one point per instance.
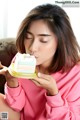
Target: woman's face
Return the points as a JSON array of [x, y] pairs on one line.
[[41, 42]]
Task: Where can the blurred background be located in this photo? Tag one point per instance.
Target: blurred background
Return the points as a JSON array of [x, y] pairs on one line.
[[12, 12]]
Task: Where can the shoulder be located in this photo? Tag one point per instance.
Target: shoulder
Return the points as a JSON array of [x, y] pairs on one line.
[[76, 67], [71, 74], [78, 63], [75, 70]]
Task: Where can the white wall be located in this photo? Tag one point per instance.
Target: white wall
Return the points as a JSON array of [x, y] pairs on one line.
[[12, 13], [3, 18], [74, 14]]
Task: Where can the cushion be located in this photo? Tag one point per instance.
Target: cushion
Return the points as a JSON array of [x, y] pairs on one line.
[[7, 52]]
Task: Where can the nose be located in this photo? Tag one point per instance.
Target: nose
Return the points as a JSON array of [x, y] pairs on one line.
[[33, 47]]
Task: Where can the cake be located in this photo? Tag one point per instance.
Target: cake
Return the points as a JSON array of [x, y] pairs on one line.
[[25, 63]]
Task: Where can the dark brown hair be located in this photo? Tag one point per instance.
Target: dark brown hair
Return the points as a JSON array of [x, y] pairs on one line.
[[68, 50]]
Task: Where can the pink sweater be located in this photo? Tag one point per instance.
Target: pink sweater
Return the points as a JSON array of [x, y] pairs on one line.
[[34, 104]]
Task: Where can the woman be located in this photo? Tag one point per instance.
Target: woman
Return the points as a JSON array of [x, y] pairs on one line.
[[47, 34]]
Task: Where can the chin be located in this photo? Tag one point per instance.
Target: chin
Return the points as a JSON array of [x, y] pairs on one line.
[[38, 63]]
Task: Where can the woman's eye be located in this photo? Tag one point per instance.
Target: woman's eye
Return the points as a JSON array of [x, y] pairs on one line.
[[28, 38], [43, 41]]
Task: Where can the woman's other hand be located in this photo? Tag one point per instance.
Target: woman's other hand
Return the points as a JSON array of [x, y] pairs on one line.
[[47, 82], [11, 81]]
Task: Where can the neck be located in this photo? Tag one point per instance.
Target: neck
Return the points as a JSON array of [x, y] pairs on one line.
[[42, 69]]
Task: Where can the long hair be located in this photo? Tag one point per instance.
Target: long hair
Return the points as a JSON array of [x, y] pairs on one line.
[[68, 50]]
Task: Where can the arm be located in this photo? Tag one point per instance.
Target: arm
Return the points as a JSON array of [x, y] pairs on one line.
[[14, 93], [58, 109], [15, 97], [65, 105]]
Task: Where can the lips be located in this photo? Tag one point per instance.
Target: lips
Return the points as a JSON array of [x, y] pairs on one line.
[[34, 55]]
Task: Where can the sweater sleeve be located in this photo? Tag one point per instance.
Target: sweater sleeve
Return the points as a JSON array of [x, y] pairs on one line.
[[65, 107], [15, 97], [57, 109]]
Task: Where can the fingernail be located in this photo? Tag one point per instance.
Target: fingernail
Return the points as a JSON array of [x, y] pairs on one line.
[[39, 74]]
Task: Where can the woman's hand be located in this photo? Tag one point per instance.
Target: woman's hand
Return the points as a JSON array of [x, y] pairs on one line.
[[47, 82], [11, 81]]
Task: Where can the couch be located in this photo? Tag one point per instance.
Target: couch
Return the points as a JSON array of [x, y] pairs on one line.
[[7, 52]]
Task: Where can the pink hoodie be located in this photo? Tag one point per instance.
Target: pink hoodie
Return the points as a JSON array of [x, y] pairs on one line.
[[34, 104]]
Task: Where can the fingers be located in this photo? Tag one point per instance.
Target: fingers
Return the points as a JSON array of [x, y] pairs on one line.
[[44, 76], [36, 82], [37, 69], [1, 66], [3, 69], [41, 81]]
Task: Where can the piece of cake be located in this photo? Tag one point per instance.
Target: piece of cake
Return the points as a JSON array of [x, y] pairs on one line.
[[25, 63]]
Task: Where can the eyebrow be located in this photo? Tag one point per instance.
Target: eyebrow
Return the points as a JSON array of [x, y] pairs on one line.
[[39, 34]]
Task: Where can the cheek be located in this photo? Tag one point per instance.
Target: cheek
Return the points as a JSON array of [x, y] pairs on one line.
[[51, 49]]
